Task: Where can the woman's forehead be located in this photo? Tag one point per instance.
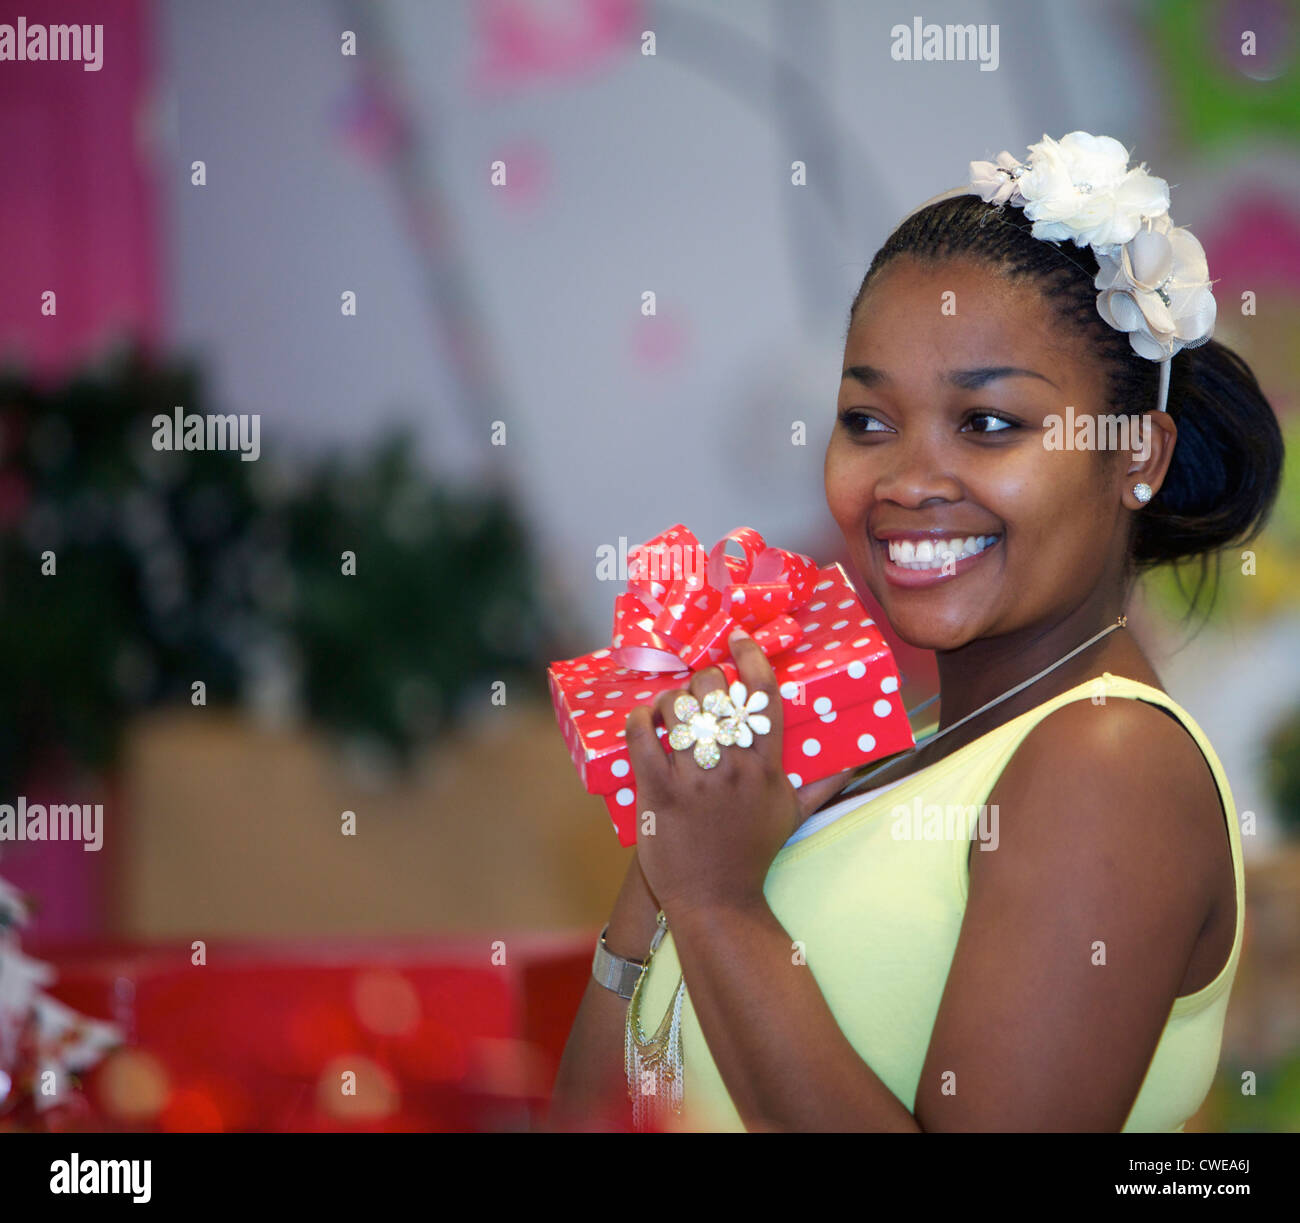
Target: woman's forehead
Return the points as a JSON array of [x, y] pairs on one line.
[[956, 313]]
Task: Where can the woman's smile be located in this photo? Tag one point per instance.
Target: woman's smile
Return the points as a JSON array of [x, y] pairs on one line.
[[912, 559]]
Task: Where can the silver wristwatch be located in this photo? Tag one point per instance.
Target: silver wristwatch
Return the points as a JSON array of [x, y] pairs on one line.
[[618, 973]]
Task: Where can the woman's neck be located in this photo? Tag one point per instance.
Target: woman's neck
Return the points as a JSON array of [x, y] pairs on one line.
[[980, 672], [971, 677]]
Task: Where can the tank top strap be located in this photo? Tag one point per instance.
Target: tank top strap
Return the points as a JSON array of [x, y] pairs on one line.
[[1000, 744], [1132, 689]]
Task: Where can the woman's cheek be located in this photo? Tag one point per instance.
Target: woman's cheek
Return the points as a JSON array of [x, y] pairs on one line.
[[848, 489], [835, 500]]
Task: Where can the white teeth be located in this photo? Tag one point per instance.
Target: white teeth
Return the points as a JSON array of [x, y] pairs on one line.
[[934, 554]]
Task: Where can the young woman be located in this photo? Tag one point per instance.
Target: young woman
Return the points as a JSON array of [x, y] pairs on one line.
[[1064, 962]]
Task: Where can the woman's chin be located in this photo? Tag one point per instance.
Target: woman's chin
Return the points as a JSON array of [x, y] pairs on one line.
[[939, 645], [926, 633]]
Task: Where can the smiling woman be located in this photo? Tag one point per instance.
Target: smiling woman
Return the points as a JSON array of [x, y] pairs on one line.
[[851, 977]]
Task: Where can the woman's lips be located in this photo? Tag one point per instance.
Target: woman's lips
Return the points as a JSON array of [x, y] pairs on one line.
[[897, 575]]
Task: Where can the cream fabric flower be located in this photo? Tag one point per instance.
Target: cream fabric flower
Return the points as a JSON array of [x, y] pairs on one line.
[[996, 182], [1157, 288], [1081, 188]]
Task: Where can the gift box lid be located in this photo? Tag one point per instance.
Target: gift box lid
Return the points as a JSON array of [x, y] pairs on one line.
[[839, 647]]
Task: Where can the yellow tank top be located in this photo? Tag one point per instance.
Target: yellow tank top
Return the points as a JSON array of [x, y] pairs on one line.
[[884, 914]]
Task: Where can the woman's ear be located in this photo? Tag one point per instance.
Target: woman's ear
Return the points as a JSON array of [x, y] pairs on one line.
[[1149, 458]]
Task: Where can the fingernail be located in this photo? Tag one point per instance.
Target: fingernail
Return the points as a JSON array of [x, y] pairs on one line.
[[737, 632]]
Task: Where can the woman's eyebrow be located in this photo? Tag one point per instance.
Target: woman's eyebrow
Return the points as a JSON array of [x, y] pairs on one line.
[[966, 379]]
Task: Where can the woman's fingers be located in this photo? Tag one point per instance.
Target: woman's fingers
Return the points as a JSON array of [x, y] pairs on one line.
[[815, 793], [757, 675], [651, 766], [706, 681]]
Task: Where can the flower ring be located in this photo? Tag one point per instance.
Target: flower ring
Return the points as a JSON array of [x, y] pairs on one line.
[[728, 716]]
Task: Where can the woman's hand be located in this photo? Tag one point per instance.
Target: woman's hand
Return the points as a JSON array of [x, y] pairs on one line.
[[714, 831]]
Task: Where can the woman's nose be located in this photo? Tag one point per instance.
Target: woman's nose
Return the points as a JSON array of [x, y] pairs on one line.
[[917, 471]]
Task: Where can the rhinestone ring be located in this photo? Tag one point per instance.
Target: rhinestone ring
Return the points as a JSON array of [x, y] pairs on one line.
[[729, 716]]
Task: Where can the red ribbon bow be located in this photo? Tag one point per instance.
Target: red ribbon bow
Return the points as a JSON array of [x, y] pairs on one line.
[[682, 604]]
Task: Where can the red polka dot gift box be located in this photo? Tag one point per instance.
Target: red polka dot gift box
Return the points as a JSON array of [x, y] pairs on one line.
[[841, 702]]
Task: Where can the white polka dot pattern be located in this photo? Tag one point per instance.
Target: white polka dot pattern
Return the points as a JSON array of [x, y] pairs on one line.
[[820, 682]]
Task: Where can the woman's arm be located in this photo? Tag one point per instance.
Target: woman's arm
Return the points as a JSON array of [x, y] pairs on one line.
[[591, 1085], [1107, 817]]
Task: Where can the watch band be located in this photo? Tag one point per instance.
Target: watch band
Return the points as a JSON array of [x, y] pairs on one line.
[[615, 972], [618, 973]]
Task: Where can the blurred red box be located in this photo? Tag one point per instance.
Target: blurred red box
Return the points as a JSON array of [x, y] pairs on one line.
[[454, 1033]]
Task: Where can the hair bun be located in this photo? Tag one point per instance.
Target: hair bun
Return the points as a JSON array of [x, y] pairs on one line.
[[1227, 464]]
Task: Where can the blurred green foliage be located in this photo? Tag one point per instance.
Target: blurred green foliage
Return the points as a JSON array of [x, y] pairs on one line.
[[1282, 771], [1273, 1109], [181, 566]]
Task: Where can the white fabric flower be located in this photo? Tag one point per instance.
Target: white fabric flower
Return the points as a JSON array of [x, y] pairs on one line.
[[1157, 288], [1081, 188]]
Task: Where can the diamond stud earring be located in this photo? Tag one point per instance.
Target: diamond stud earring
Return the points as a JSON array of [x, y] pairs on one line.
[[1142, 492]]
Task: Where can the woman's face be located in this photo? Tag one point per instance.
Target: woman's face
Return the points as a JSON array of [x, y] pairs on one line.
[[934, 445]]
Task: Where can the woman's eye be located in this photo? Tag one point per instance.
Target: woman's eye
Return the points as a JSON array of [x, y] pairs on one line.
[[862, 422], [999, 423]]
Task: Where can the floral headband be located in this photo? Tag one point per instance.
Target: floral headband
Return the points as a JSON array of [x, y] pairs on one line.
[[1153, 279]]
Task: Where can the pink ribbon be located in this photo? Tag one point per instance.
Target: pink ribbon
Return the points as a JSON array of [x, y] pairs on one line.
[[682, 604]]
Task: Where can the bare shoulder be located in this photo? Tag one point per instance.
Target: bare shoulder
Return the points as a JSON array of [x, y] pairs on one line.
[[1127, 777], [1119, 741]]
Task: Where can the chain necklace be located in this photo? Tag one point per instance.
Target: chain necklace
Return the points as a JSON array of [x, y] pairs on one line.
[[653, 1064], [857, 783]]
